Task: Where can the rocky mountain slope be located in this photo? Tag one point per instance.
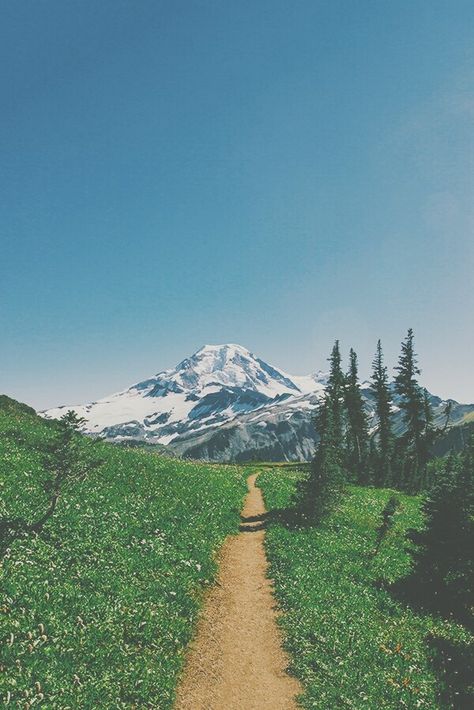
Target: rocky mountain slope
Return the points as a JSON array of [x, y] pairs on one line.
[[223, 404]]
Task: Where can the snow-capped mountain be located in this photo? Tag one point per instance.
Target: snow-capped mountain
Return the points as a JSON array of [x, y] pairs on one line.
[[221, 404], [217, 384]]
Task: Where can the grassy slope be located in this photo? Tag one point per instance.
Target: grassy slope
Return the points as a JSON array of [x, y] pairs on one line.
[[350, 642], [97, 611]]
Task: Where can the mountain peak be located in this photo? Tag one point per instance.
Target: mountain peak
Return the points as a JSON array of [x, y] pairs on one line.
[[223, 346], [229, 349], [229, 365]]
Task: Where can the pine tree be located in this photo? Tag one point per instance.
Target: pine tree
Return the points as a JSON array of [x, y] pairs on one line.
[[444, 562], [70, 459], [383, 403], [357, 433], [321, 489], [466, 476], [414, 407], [327, 473], [335, 394], [428, 412]]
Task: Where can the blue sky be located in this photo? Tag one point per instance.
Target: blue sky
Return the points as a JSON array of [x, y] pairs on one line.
[[276, 174]]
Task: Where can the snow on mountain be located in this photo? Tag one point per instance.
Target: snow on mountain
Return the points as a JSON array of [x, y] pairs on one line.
[[223, 403], [216, 384]]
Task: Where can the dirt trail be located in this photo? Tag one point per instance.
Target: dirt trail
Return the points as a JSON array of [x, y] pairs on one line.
[[236, 661]]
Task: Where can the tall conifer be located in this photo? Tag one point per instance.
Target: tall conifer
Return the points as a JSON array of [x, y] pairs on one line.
[[357, 434], [444, 561], [327, 472], [383, 403], [335, 394], [414, 407]]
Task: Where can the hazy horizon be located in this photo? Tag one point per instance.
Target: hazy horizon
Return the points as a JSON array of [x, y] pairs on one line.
[[273, 174]]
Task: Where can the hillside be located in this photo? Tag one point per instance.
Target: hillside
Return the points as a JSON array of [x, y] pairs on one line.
[[353, 642], [97, 610], [226, 404]]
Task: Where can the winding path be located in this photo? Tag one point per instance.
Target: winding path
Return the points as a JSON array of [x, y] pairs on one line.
[[236, 661]]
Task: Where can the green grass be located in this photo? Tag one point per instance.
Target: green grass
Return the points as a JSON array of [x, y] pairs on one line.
[[97, 611], [350, 642]]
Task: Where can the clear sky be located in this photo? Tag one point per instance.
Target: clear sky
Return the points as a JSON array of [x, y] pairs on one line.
[[276, 174]]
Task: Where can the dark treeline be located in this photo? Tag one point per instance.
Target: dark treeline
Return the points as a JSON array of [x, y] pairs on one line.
[[351, 451]]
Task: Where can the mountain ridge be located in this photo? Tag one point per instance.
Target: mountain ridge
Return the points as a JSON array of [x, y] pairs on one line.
[[223, 403]]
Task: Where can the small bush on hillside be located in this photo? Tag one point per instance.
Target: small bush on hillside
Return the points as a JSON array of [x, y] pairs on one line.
[[68, 459], [388, 512]]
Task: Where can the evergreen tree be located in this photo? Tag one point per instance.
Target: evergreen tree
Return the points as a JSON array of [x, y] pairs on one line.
[[383, 403], [327, 473], [335, 395], [466, 477], [444, 562], [357, 432], [428, 413], [415, 408], [70, 459]]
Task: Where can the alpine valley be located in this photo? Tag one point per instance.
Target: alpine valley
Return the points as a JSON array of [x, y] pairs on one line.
[[226, 404]]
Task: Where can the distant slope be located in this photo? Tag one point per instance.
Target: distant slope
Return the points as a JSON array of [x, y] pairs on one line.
[[11, 406], [225, 404], [454, 439]]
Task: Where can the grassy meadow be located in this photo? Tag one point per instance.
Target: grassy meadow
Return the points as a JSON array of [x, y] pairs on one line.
[[96, 611], [351, 642]]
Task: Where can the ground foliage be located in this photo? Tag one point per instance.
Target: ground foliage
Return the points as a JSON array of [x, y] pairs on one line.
[[351, 641], [96, 611], [443, 574]]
